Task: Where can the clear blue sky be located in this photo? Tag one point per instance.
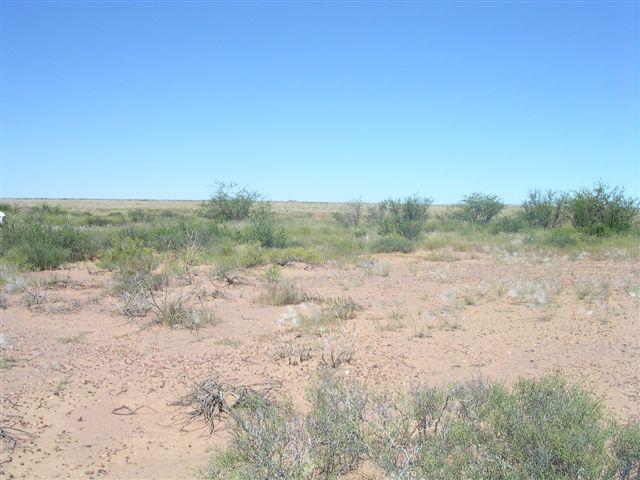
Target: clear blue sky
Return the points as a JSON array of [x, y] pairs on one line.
[[318, 101]]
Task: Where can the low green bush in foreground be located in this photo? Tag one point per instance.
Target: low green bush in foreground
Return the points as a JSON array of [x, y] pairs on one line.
[[537, 429]]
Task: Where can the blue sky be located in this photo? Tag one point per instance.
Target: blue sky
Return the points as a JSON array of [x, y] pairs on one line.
[[318, 101]]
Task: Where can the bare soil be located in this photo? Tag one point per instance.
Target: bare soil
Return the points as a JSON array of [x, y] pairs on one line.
[[427, 318]]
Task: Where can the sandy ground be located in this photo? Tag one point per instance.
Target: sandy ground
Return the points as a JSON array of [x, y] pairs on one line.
[[428, 318]]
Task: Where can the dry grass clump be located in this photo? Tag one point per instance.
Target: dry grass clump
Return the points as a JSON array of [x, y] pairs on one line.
[[340, 308], [175, 310], [34, 295], [337, 349], [593, 291], [293, 353], [279, 291]]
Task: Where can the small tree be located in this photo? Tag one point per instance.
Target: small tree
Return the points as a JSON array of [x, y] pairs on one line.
[[405, 217], [480, 208], [602, 209], [544, 209], [231, 201]]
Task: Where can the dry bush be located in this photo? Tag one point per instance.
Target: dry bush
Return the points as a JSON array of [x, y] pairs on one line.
[[34, 295], [337, 348], [176, 310], [293, 353], [213, 402], [593, 290]]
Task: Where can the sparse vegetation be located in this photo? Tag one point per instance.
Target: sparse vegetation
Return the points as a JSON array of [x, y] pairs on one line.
[[352, 214]]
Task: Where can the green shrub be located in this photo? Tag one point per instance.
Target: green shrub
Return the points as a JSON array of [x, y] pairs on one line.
[[602, 210], [560, 237], [391, 244], [267, 232], [231, 201], [508, 224], [41, 246], [544, 209], [405, 217], [541, 428], [335, 424], [626, 451], [129, 256], [268, 441], [480, 208]]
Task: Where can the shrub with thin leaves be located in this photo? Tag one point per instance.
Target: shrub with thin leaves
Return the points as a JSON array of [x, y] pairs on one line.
[[392, 244], [544, 209], [129, 257], [37, 245], [537, 429], [231, 201], [335, 424], [405, 217], [626, 451], [265, 230], [602, 210], [268, 441], [480, 208]]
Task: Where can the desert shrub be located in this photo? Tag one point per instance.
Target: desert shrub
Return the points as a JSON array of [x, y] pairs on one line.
[[264, 229], [508, 224], [335, 424], [40, 246], [174, 233], [405, 217], [542, 428], [251, 256], [279, 291], [480, 208], [625, 464], [268, 441], [340, 308], [391, 244], [178, 310], [352, 214], [602, 210], [561, 237], [544, 209], [129, 257], [231, 201]]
